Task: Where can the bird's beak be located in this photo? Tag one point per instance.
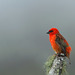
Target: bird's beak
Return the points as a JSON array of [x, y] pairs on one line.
[[48, 32]]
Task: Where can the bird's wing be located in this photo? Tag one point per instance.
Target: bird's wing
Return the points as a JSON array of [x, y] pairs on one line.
[[60, 40]]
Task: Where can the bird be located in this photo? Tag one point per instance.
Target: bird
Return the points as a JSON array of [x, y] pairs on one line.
[[59, 43]]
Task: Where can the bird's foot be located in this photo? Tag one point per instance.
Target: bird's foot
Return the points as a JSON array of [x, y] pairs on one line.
[[60, 55]]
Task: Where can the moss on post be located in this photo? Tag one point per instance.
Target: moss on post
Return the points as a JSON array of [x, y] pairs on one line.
[[55, 65]]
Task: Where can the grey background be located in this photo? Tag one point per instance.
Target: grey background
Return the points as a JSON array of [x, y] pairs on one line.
[[24, 44]]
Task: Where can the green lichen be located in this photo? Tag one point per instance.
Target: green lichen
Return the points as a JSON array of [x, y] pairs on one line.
[[49, 63], [64, 70]]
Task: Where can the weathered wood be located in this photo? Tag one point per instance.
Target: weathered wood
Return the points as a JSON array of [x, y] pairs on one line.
[[57, 66]]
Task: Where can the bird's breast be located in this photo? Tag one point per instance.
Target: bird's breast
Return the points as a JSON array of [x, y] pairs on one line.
[[52, 40], [53, 43]]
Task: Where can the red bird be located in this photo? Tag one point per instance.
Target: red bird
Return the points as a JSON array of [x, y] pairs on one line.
[[58, 42]]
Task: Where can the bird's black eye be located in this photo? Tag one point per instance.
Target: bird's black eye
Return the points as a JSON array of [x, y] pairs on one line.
[[51, 31]]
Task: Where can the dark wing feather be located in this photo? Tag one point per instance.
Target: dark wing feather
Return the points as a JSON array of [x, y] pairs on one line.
[[60, 41]]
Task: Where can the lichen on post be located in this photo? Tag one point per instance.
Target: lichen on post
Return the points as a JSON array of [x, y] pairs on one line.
[[56, 65]]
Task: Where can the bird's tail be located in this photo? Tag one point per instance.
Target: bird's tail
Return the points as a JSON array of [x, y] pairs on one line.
[[68, 51]]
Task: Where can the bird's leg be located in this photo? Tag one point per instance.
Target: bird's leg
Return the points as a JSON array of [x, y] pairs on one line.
[[65, 54], [58, 54]]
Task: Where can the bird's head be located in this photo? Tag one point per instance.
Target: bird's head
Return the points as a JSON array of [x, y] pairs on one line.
[[53, 31]]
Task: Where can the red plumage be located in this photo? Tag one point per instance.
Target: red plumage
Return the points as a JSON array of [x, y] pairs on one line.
[[58, 42]]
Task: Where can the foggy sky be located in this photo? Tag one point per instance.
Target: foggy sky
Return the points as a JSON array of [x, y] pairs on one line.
[[23, 27]]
